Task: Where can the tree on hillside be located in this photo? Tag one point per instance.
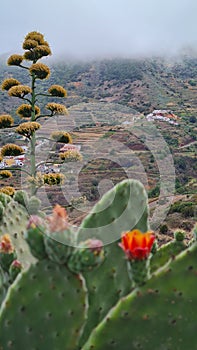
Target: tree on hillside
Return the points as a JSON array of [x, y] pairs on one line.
[[35, 48]]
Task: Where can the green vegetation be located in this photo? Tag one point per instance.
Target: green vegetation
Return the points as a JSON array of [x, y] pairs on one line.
[[108, 291]]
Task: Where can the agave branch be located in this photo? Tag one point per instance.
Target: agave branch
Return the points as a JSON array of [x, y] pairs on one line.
[[43, 116], [22, 170]]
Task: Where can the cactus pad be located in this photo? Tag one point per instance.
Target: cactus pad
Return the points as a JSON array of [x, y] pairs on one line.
[[105, 285], [45, 308], [160, 315], [14, 223], [123, 208]]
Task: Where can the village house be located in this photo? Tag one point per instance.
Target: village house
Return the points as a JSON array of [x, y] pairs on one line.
[[163, 115], [70, 147]]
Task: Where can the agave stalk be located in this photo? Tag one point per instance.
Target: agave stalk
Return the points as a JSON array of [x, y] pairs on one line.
[[33, 138]]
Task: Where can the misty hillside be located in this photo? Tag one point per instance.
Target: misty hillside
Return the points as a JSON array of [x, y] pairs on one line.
[[124, 85], [143, 84]]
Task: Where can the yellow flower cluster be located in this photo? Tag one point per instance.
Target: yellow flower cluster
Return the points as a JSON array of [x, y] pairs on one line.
[[25, 111], [43, 50], [56, 108], [8, 190], [11, 150], [27, 129], [41, 70], [29, 44], [53, 179], [71, 156], [37, 180], [57, 91], [15, 60], [61, 136], [37, 53], [36, 36], [5, 174], [36, 45], [8, 83], [19, 91], [76, 202], [6, 121]]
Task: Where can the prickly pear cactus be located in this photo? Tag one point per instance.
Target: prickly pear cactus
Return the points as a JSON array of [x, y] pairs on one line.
[[121, 209], [4, 284], [160, 315], [21, 197], [89, 256], [59, 246], [106, 285], [166, 253], [33, 206], [4, 199], [45, 308], [14, 222]]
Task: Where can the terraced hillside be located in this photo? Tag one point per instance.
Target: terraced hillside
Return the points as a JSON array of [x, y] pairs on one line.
[[107, 102]]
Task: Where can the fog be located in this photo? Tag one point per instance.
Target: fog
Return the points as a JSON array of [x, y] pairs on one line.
[[102, 28]]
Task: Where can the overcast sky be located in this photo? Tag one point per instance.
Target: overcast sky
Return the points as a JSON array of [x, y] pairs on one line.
[[97, 28]]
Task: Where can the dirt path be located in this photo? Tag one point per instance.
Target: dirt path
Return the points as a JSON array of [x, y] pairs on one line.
[[189, 144]]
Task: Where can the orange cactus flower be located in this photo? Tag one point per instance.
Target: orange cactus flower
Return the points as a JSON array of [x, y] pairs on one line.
[[137, 245], [6, 244], [59, 219], [60, 211]]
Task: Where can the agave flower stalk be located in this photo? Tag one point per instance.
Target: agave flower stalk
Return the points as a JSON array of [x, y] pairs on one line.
[[35, 48]]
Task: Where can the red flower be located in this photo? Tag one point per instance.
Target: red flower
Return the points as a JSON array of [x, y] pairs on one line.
[[137, 245]]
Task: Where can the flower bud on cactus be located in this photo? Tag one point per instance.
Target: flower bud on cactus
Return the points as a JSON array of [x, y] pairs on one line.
[[89, 255], [137, 247], [59, 246], [7, 252], [34, 237], [58, 220], [179, 236], [15, 269], [59, 240], [139, 271]]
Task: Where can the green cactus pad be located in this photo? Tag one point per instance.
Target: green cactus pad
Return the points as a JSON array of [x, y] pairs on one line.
[[33, 205], [59, 245], [105, 285], [34, 236], [4, 284], [21, 197], [87, 258], [160, 315], [6, 260], [4, 199], [14, 223], [123, 208], [166, 253], [45, 308], [1, 210]]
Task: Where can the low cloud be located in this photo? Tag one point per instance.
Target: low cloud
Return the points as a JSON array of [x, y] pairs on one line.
[[104, 28]]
